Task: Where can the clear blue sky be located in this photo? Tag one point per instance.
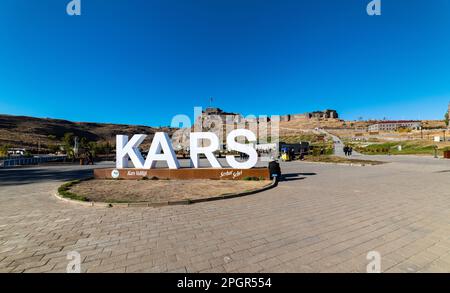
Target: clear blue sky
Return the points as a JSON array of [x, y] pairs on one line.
[[141, 62]]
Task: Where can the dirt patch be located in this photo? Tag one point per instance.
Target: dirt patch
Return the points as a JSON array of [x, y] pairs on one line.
[[157, 191]]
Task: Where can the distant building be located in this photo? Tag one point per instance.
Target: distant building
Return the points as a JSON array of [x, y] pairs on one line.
[[215, 113], [285, 118], [438, 139], [323, 114], [327, 114], [16, 152], [394, 125]]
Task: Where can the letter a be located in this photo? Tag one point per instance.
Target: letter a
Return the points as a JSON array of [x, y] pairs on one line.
[[374, 8], [74, 7], [161, 142]]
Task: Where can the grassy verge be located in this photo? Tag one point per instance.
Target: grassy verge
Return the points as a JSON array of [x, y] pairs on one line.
[[336, 160], [63, 191], [407, 148]]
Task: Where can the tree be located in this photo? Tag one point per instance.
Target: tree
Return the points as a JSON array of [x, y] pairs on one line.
[[446, 118], [88, 150], [68, 145], [3, 150], [53, 148], [104, 148]]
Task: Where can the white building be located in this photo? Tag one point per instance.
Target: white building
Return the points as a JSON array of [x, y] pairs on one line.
[[394, 125], [16, 152]]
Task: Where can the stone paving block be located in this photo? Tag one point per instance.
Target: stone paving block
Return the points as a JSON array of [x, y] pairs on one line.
[[320, 224]]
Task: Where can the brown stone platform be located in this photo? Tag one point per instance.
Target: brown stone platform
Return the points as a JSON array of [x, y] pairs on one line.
[[184, 173]]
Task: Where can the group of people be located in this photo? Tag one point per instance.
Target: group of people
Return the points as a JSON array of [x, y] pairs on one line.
[[243, 156], [348, 150]]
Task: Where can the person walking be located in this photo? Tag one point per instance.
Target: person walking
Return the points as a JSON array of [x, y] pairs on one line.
[[350, 150], [345, 150]]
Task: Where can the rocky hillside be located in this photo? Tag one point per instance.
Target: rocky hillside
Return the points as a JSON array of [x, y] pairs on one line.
[[27, 132]]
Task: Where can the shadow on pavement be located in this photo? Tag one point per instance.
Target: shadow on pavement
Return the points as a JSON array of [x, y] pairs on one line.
[[10, 177], [292, 179], [295, 176]]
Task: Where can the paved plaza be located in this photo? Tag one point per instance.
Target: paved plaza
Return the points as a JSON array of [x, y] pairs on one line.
[[321, 218]]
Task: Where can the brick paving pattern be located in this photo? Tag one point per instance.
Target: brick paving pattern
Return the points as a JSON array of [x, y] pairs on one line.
[[324, 218]]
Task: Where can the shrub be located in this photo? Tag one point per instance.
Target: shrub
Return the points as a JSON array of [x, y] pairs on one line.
[[4, 150], [251, 178], [63, 191]]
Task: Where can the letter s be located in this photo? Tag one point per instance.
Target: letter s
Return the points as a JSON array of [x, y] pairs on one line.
[[243, 148]]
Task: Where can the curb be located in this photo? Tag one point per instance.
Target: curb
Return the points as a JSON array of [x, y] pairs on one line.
[[166, 203]]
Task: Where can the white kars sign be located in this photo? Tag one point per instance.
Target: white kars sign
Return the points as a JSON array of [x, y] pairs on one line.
[[161, 149]]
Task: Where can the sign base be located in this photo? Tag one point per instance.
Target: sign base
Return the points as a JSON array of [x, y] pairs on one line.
[[182, 174]]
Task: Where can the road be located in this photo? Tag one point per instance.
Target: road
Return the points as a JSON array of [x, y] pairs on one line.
[[339, 145], [52, 173], [321, 218]]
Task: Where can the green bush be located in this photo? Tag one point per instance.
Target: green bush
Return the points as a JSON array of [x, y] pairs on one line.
[[4, 150], [63, 191]]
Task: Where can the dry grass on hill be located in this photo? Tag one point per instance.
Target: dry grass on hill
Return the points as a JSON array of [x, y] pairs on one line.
[[28, 132]]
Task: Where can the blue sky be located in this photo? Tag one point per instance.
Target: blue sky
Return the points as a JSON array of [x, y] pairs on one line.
[[141, 62]]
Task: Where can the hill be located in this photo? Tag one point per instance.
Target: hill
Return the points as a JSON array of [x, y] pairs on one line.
[[29, 132]]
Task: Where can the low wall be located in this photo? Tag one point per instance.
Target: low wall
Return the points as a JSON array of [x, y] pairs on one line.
[[180, 174]]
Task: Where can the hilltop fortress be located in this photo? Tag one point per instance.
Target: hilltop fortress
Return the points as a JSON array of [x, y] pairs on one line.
[[326, 114], [213, 119]]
